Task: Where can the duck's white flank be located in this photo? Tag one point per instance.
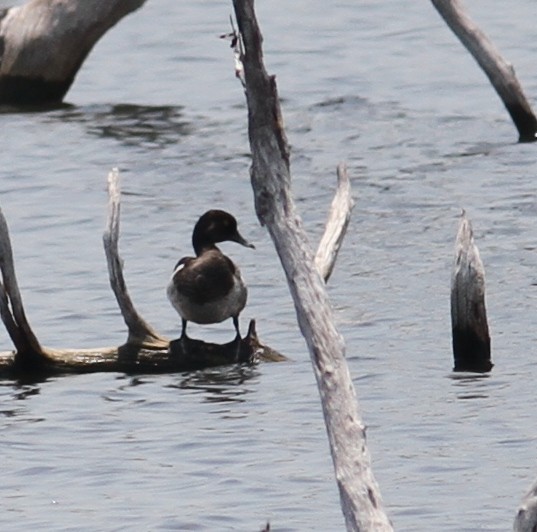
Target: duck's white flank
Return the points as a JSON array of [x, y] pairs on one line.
[[213, 311]]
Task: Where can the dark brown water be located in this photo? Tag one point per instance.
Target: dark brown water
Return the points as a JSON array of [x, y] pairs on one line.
[[384, 87]]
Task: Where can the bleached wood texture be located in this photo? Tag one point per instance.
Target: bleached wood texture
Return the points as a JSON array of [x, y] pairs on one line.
[[140, 332], [500, 72], [336, 225], [45, 42], [471, 340], [271, 180]]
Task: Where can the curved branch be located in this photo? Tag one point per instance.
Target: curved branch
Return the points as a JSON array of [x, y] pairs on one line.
[[336, 225], [140, 332], [45, 42], [24, 335], [271, 180], [9, 321], [500, 73]]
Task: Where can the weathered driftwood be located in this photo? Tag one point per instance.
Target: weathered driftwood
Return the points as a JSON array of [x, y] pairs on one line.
[[500, 72], [526, 517], [43, 44], [360, 496], [471, 340], [145, 349]]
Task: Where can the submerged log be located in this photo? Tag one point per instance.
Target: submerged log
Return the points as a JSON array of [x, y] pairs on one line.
[[500, 72], [271, 180], [471, 340], [177, 355], [43, 44]]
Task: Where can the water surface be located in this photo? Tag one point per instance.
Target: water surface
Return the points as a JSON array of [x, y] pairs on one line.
[[423, 134]]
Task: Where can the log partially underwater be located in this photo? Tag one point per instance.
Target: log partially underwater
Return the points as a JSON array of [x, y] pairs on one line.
[[500, 72], [175, 356], [145, 349], [471, 339], [360, 496], [43, 44]]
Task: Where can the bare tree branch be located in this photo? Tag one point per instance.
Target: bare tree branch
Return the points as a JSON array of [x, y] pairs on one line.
[[500, 73], [336, 225], [24, 335], [359, 494], [140, 332]]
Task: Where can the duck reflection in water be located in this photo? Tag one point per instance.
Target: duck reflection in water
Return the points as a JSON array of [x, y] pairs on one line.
[[209, 288]]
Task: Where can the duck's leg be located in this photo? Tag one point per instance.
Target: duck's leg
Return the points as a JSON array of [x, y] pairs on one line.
[[237, 338], [236, 324], [183, 329]]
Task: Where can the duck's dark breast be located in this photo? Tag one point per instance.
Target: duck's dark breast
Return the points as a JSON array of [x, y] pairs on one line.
[[206, 278]]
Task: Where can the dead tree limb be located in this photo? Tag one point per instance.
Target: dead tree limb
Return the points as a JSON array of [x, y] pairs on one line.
[[43, 44], [471, 340], [271, 180], [140, 332], [500, 72], [336, 225]]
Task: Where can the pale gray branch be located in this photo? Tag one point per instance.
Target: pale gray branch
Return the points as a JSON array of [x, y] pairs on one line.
[[140, 332], [500, 73], [336, 225], [7, 318], [359, 493]]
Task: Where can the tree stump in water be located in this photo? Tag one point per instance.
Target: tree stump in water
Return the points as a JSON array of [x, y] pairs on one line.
[[471, 339]]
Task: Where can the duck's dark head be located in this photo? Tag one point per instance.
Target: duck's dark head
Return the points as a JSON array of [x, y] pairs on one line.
[[216, 226]]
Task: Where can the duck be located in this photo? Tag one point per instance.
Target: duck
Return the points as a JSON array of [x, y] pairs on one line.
[[209, 288]]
